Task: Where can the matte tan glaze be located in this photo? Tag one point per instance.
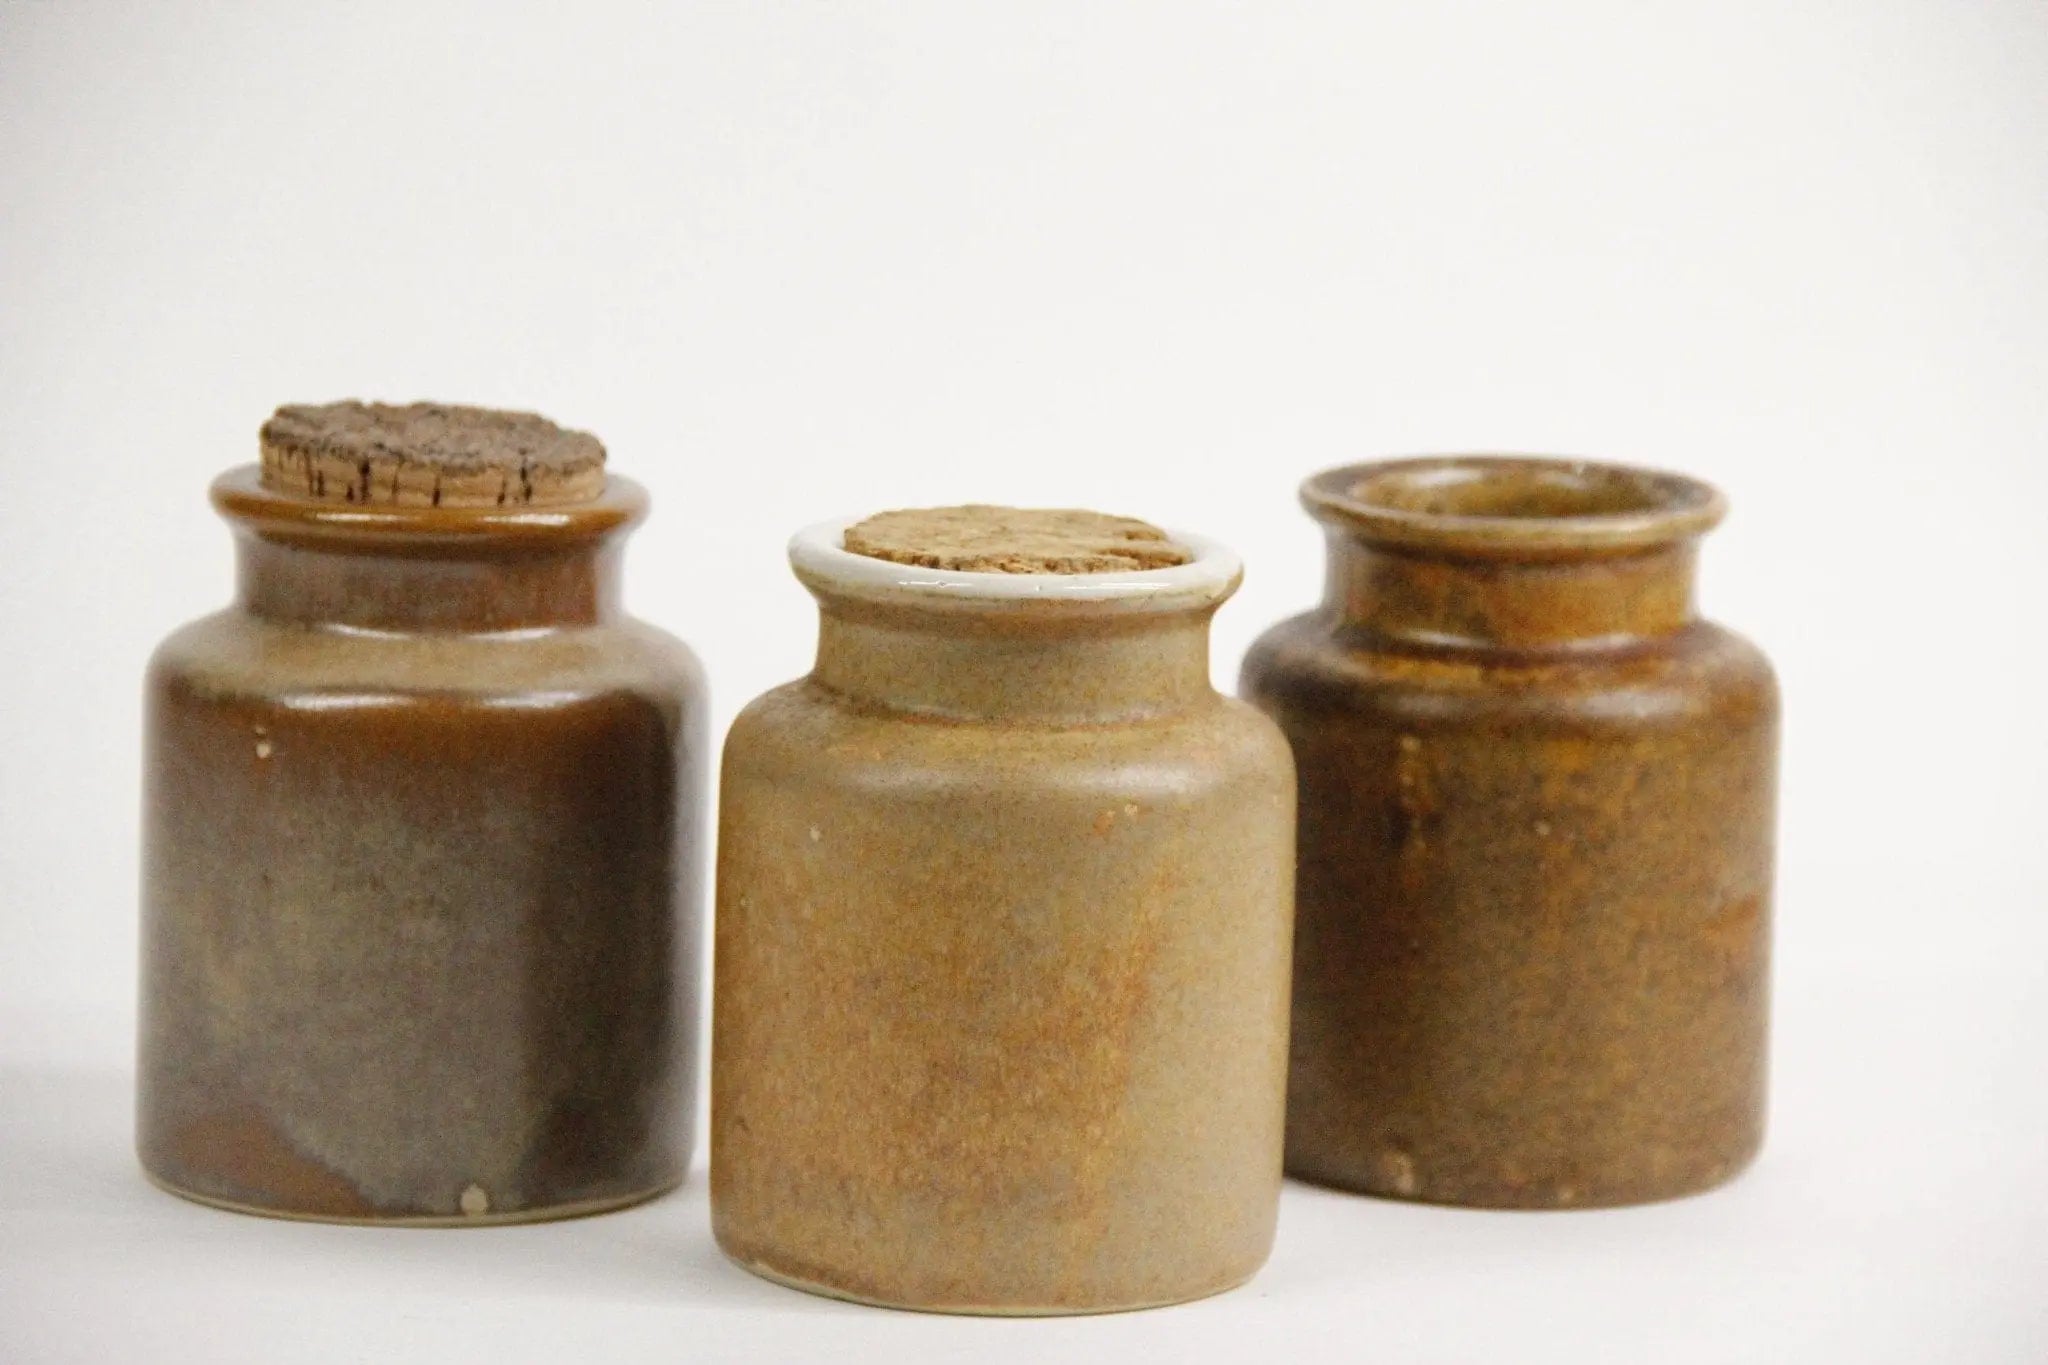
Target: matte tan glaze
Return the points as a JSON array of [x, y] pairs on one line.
[[1537, 810], [420, 870], [1004, 902]]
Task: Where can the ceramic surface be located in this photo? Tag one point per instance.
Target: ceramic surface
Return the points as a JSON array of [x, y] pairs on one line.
[[1537, 810], [1004, 902], [420, 871]]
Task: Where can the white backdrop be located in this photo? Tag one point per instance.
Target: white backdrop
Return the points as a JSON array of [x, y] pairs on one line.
[[797, 260]]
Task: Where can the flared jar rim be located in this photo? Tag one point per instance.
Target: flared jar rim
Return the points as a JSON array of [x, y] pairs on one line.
[[1513, 506], [820, 560]]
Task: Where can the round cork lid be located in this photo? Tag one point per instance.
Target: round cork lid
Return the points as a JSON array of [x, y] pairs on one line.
[[1019, 540], [428, 455]]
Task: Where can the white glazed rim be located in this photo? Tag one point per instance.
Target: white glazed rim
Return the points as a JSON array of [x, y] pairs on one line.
[[818, 556]]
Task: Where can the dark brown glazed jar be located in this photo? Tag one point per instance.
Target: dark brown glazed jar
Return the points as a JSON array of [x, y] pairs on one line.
[[421, 862], [1536, 822]]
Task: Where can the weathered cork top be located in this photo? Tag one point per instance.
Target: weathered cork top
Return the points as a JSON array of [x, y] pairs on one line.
[[981, 539], [428, 455]]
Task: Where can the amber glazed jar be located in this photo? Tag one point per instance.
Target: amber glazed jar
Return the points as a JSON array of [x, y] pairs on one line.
[[1531, 960], [421, 865], [1004, 904]]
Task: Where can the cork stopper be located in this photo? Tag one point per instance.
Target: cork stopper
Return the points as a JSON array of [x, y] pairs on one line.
[[981, 539], [428, 455]]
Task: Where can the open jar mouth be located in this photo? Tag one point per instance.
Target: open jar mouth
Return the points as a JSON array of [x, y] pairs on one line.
[[1513, 506], [821, 561]]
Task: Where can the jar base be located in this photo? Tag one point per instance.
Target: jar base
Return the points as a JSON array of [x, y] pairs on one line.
[[1534, 1202], [550, 1213], [979, 1310]]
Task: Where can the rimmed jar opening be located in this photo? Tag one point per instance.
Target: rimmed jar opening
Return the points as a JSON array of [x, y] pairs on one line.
[[242, 497], [1510, 506], [821, 561]]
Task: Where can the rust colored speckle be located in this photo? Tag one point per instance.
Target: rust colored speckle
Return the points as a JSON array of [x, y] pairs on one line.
[[1013, 1039], [1536, 795]]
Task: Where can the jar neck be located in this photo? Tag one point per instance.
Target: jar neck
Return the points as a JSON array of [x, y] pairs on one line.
[[1029, 665], [406, 569], [1560, 602], [402, 588]]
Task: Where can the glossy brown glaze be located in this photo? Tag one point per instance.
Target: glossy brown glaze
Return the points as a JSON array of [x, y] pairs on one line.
[[420, 870], [1001, 974], [1536, 823]]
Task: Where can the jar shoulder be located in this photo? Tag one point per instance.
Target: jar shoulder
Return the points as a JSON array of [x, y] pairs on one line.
[[1311, 665], [802, 732], [234, 655]]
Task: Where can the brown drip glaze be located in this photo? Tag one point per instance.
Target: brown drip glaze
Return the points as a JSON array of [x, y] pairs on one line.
[[421, 864]]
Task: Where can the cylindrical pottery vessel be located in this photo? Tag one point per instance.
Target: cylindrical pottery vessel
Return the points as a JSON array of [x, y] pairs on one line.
[[1532, 953], [420, 869], [1004, 905]]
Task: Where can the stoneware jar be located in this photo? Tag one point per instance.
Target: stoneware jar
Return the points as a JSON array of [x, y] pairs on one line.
[[420, 848], [1531, 959], [1004, 905]]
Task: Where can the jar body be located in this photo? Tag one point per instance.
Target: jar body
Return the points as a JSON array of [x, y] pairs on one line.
[[1000, 1009], [420, 918], [1531, 956]]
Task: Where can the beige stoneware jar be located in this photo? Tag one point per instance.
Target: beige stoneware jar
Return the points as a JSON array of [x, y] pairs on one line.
[[1004, 921]]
